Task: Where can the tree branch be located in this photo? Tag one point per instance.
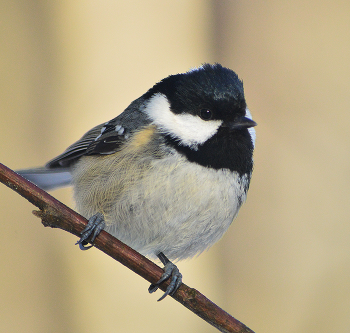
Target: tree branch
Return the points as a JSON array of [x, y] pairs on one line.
[[57, 215]]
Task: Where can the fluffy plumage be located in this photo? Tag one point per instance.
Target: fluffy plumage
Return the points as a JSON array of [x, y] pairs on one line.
[[170, 173]]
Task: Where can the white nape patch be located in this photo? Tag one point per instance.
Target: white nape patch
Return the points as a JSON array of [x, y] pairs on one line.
[[251, 129], [194, 69], [188, 129]]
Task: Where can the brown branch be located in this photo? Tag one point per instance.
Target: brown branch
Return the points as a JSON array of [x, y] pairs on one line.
[[57, 215]]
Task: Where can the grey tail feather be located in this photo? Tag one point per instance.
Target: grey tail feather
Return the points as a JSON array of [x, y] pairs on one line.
[[47, 179]]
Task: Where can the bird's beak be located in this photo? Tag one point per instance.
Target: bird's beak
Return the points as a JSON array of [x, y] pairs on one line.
[[240, 123]]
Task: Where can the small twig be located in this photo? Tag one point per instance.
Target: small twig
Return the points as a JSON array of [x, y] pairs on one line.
[[57, 215]]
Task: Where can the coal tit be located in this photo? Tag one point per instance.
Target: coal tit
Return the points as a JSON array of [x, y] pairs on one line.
[[169, 174]]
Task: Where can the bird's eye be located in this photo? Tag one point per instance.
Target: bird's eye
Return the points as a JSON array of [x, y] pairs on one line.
[[205, 114]]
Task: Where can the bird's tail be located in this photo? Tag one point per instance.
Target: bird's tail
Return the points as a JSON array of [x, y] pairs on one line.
[[47, 179]]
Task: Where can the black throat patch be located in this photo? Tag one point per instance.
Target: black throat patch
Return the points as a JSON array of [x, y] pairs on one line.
[[227, 149]]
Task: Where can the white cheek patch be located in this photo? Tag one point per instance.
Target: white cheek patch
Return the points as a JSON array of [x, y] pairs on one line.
[[188, 129], [251, 129]]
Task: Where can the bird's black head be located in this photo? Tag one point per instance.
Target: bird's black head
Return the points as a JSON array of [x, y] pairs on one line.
[[203, 114]]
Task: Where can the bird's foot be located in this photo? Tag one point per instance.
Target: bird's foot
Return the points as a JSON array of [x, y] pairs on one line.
[[93, 228], [170, 271]]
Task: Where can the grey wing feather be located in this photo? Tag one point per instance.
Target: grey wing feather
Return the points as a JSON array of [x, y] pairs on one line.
[[76, 150], [106, 138]]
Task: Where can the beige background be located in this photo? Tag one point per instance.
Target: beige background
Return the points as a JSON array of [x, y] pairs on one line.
[[284, 265]]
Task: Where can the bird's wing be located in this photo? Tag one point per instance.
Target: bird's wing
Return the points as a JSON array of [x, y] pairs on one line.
[[106, 138]]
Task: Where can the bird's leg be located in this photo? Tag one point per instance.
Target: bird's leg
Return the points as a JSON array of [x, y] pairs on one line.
[[96, 224], [170, 271], [93, 228]]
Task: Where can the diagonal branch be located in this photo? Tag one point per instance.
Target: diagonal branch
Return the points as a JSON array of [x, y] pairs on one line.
[[55, 214]]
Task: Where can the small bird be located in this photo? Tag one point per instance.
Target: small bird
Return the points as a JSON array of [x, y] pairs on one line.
[[169, 174]]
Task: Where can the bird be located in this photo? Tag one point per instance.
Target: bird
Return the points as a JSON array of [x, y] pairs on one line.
[[169, 174]]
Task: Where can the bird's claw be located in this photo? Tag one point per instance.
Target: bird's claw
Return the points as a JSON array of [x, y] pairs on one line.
[[170, 271], [95, 225]]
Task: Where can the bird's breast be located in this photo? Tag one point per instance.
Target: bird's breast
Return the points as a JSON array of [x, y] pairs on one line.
[[165, 204]]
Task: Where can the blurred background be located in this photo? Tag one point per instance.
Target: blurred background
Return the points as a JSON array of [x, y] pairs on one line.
[[284, 264]]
